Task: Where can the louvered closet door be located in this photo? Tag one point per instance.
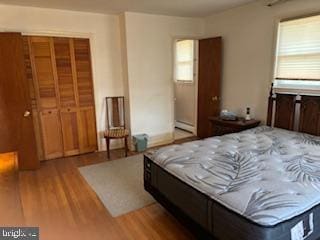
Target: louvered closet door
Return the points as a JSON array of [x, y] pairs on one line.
[[44, 72], [83, 71], [87, 123], [47, 94], [63, 48], [69, 126], [62, 77], [51, 133], [87, 130]]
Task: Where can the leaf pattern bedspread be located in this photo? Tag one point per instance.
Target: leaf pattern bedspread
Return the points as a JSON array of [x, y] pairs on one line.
[[267, 175]]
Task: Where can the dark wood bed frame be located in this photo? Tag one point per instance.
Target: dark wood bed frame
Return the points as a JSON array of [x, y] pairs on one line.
[[294, 112], [195, 209]]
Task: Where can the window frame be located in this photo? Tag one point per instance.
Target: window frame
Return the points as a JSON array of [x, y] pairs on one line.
[[193, 61], [301, 85]]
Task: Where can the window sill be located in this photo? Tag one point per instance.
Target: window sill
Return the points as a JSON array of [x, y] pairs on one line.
[[297, 87], [185, 82], [298, 91]]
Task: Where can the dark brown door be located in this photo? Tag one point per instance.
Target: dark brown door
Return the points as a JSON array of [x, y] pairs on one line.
[[16, 130], [210, 62]]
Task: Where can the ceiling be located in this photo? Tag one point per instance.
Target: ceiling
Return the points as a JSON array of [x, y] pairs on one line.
[[185, 8]]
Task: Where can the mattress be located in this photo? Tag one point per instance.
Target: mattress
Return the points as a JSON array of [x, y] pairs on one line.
[[267, 175]]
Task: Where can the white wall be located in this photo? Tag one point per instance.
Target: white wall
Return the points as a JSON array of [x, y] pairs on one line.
[[133, 55], [184, 94], [104, 33], [249, 34], [149, 43]]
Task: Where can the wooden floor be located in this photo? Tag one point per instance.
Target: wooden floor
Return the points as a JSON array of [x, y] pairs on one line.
[[58, 200]]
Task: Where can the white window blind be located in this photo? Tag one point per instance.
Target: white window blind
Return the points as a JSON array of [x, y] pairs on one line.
[[184, 67], [298, 52]]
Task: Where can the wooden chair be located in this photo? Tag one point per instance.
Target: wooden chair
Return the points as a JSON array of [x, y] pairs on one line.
[[116, 127]]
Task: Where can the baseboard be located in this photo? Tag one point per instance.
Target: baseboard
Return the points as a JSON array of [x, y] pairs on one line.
[[153, 141], [157, 140], [114, 144], [184, 126], [161, 139]]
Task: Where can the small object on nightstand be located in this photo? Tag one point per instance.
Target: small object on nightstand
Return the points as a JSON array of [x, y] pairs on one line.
[[228, 116], [248, 118], [221, 127]]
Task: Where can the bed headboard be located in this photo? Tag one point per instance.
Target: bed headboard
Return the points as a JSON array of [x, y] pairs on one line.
[[294, 112]]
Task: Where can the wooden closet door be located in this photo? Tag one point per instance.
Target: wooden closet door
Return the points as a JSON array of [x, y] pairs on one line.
[[69, 126], [83, 72], [51, 133], [43, 65], [62, 77], [66, 80], [63, 48], [87, 130], [47, 94], [87, 122]]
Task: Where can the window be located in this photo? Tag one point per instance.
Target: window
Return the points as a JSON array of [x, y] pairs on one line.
[[184, 60], [298, 54]]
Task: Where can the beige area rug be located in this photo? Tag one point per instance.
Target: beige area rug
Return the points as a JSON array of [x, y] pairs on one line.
[[119, 184]]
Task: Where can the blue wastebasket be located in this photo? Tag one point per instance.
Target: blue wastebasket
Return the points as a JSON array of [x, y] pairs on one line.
[[141, 142]]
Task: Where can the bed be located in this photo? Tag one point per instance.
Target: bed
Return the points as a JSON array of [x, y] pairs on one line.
[[261, 184]]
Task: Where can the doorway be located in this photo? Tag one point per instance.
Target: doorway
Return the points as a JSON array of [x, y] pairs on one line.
[[197, 85], [185, 87]]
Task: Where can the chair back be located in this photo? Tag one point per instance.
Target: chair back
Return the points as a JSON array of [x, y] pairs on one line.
[[115, 112]]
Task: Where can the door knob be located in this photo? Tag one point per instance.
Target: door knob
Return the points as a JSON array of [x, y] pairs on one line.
[[27, 113], [215, 98]]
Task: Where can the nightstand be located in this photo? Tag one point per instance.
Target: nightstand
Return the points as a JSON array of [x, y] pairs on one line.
[[221, 127]]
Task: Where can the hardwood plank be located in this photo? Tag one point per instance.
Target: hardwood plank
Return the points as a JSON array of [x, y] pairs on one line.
[[58, 200], [9, 192]]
